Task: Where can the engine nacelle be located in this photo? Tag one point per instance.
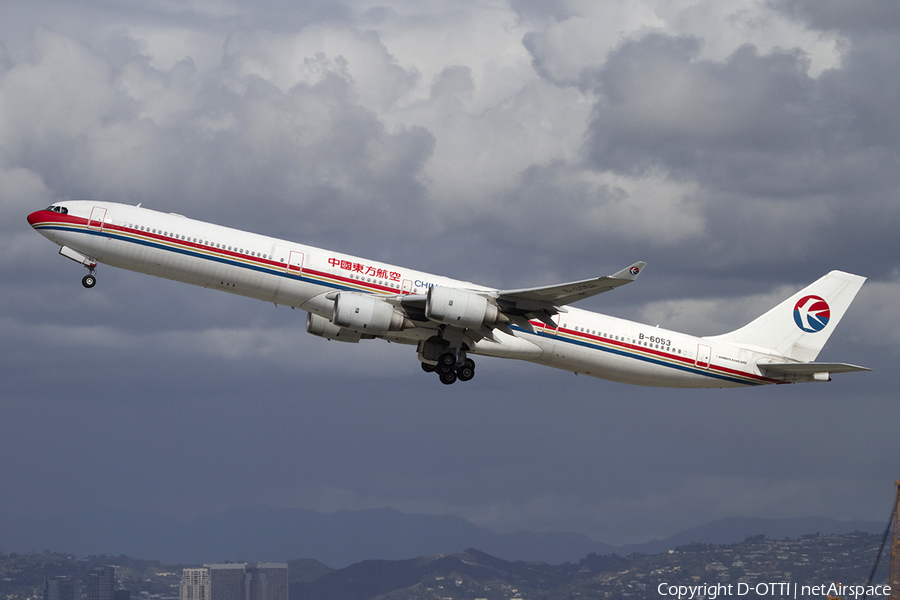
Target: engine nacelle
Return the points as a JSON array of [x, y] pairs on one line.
[[322, 327], [366, 314], [460, 308]]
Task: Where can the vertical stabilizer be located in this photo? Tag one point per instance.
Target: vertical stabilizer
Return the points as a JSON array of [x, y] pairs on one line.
[[798, 328]]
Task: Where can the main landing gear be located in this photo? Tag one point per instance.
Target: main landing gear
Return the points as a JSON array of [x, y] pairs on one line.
[[449, 368]]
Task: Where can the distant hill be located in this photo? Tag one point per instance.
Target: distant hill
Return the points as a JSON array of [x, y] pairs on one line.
[[475, 574], [338, 539], [304, 570], [735, 529]]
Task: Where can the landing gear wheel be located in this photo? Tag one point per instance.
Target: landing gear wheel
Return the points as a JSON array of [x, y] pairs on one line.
[[466, 372], [446, 362], [448, 377], [427, 367], [89, 281]]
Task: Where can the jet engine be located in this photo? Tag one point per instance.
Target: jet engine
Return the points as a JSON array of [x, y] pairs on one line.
[[461, 308], [322, 327], [366, 314]]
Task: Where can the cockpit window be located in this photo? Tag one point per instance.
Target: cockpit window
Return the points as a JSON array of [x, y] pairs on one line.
[[58, 209]]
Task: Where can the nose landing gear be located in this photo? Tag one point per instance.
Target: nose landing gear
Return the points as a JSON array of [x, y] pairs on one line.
[[89, 280]]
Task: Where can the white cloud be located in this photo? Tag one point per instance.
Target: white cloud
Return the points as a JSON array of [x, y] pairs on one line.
[[711, 316], [566, 48], [316, 51]]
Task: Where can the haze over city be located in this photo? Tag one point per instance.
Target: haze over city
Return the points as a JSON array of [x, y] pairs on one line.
[[743, 149]]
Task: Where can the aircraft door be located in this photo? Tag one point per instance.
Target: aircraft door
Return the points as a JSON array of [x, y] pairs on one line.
[[295, 263], [98, 215], [703, 355], [407, 287]]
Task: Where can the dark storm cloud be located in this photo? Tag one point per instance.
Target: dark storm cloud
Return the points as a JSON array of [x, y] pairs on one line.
[[661, 107], [854, 19], [557, 10], [806, 161]]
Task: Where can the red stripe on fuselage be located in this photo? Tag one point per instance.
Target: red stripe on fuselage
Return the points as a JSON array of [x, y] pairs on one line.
[[48, 217], [686, 361]]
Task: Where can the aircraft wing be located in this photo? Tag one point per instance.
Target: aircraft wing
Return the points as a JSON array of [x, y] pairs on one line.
[[541, 303], [554, 296]]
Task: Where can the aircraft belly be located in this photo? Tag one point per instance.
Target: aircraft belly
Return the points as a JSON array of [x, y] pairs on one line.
[[195, 270], [709, 378], [602, 364], [508, 346], [629, 367]]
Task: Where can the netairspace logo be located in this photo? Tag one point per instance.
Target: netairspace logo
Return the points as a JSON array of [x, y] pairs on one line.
[[772, 590]]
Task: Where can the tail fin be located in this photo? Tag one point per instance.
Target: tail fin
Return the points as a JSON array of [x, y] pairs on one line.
[[798, 328]]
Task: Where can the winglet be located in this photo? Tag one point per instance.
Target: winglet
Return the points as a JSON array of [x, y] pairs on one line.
[[630, 273]]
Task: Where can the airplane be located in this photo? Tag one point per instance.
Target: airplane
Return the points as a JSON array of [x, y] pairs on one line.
[[349, 299]]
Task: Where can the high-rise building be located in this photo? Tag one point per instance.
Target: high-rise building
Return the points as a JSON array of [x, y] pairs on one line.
[[101, 583], [226, 581], [265, 581], [194, 584], [59, 588]]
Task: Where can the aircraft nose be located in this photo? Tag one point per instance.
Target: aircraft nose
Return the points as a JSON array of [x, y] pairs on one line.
[[34, 217]]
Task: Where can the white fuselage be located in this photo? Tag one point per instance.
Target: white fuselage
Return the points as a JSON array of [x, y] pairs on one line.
[[286, 273]]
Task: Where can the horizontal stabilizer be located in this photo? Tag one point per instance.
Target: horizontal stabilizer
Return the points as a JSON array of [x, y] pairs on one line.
[[810, 368]]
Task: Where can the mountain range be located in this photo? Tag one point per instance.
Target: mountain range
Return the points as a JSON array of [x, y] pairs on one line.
[[338, 539]]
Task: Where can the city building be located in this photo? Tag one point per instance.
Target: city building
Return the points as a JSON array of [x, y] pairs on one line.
[[101, 584], [59, 588], [264, 581], [226, 581], [194, 584]]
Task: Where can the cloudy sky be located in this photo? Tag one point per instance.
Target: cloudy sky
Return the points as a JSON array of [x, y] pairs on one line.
[[742, 148]]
